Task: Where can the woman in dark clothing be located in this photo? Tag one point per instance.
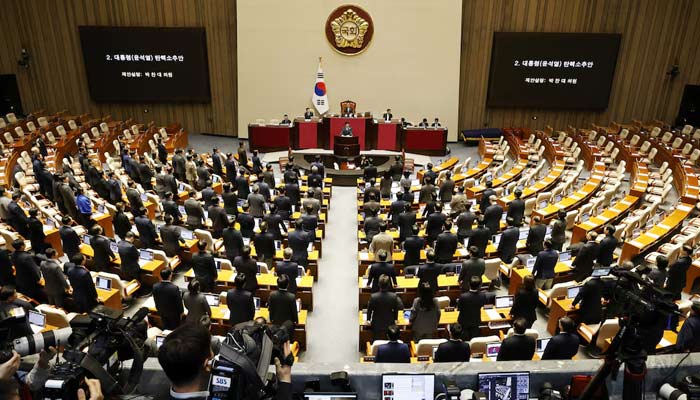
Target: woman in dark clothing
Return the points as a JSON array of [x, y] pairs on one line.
[[525, 301], [425, 313]]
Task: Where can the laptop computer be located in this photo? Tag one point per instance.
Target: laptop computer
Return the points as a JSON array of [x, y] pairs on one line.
[[37, 321], [572, 292], [256, 301], [541, 345], [113, 246], [504, 301], [212, 299], [524, 233], [543, 204], [181, 187], [146, 255], [187, 234], [86, 239], [182, 210], [598, 272], [530, 263], [564, 256], [492, 349], [144, 197], [103, 283], [159, 341]]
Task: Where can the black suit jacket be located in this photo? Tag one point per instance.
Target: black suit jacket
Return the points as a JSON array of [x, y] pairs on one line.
[[115, 191], [170, 236], [480, 238], [484, 203], [102, 252], [298, 241], [242, 187], [147, 231], [397, 207], [508, 245], [218, 217], [469, 305], [445, 247], [233, 243], [204, 267], [382, 309], [435, 224], [516, 210], [517, 347], [275, 225], [563, 346], [283, 307], [545, 263], [535, 239], [265, 245], [492, 218], [465, 223], [69, 240], [406, 220], [606, 249], [291, 269], [473, 266], [583, 263], [170, 207], [393, 352], [122, 224], [677, 275], [246, 222], [378, 269], [292, 190], [412, 246], [129, 256], [452, 351], [369, 172], [27, 273], [249, 267], [168, 300], [134, 198], [84, 292], [241, 306], [524, 305], [429, 272], [589, 296]]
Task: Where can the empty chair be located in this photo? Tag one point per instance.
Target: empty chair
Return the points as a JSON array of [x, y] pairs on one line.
[[645, 147], [31, 127], [571, 219], [95, 132], [425, 346], [2, 123], [694, 156], [696, 134], [8, 138], [61, 130], [601, 141], [51, 138], [655, 132], [19, 131], [104, 127], [677, 142], [529, 206], [624, 133], [687, 149], [163, 134], [127, 134], [687, 129], [634, 140], [72, 125], [11, 118], [42, 122], [666, 138]]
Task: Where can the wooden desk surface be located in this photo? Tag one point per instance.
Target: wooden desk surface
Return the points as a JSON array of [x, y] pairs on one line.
[[446, 317], [540, 186], [270, 279], [630, 248], [150, 267], [513, 173], [404, 283]]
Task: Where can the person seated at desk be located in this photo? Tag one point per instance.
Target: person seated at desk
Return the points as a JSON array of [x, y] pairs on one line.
[[425, 313], [382, 308], [387, 115], [446, 244], [286, 120], [525, 301], [382, 241], [469, 306], [545, 262], [379, 268], [435, 124], [689, 335], [308, 114], [564, 345], [405, 124], [129, 256], [347, 112], [455, 349], [412, 247], [347, 130], [393, 351], [590, 296], [424, 123], [519, 347], [240, 302]]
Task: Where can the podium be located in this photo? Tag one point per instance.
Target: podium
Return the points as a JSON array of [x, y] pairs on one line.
[[346, 146], [358, 125], [269, 137]]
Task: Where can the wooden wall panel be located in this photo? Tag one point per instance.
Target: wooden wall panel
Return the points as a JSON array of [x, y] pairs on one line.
[[56, 78], [655, 33]]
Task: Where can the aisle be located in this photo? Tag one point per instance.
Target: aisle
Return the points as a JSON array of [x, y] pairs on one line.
[[333, 325]]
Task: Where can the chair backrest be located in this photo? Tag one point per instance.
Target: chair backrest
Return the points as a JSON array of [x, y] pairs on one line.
[[54, 316], [696, 134], [491, 270], [677, 142], [42, 122], [263, 267], [61, 130], [72, 125], [2, 123], [443, 301], [687, 129], [8, 138], [645, 146], [19, 131], [624, 133], [601, 141], [425, 346], [478, 344], [529, 206], [609, 147], [652, 154], [11, 118], [656, 131], [528, 332], [694, 155], [95, 132], [104, 127], [571, 219], [687, 149], [163, 134], [607, 331], [50, 137], [205, 236], [634, 140]]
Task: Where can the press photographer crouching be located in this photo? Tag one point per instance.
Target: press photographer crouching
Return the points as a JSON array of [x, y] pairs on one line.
[[239, 371]]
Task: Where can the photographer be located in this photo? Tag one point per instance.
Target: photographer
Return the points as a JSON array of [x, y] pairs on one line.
[[186, 355]]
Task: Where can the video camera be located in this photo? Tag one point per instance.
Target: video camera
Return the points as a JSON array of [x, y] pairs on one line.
[[109, 339], [241, 368]]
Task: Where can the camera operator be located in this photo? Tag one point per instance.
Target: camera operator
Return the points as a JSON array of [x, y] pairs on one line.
[[186, 355]]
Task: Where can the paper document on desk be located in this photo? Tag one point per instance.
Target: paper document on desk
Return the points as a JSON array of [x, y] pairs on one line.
[[665, 343], [227, 314], [493, 314]]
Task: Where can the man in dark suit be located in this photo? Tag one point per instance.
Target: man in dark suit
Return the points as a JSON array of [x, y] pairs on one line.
[[445, 245], [519, 346], [28, 275], [242, 155], [429, 271], [607, 247], [208, 194], [178, 162], [134, 196], [289, 268], [242, 185], [677, 272], [369, 172], [469, 305], [218, 218], [371, 192], [393, 351], [69, 238], [387, 116], [689, 335], [516, 208], [480, 238], [535, 237], [265, 245], [564, 345], [203, 175], [412, 247], [115, 188], [204, 267], [455, 349], [290, 175], [103, 254], [429, 174], [465, 223], [298, 241], [146, 229], [233, 241], [508, 245], [121, 221], [283, 306], [395, 209], [231, 168], [170, 207], [84, 292], [308, 114], [405, 221], [492, 216], [275, 223], [347, 130], [589, 296], [372, 225], [292, 191], [486, 196], [583, 263], [194, 211], [447, 188], [129, 256], [435, 224], [240, 302], [162, 151], [160, 182], [55, 281], [427, 191], [216, 161], [544, 266], [383, 307], [145, 173], [170, 236], [168, 300], [379, 268], [246, 222], [247, 265], [471, 266], [17, 218], [283, 204]]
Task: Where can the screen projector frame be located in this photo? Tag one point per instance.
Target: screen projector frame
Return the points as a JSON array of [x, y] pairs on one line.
[[99, 97], [514, 103]]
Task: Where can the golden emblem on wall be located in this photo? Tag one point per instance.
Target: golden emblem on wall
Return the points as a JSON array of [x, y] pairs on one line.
[[349, 29]]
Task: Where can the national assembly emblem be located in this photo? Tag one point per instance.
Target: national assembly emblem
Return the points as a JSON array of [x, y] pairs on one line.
[[349, 29]]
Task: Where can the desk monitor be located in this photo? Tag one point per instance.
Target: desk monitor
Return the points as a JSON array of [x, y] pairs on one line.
[[300, 271], [530, 263], [549, 230], [557, 198], [36, 318], [144, 197], [103, 283], [496, 239], [278, 245], [159, 341], [218, 264], [186, 234], [543, 204], [524, 232], [212, 299], [113, 246], [181, 187], [101, 209], [256, 301], [49, 223], [564, 256], [504, 301], [182, 210], [572, 292], [408, 386], [541, 345], [492, 349], [504, 216], [505, 385], [600, 271], [585, 217], [86, 239], [330, 396], [466, 243], [146, 255]]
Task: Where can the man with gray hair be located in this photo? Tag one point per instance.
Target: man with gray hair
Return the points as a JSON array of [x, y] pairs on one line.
[[289, 268], [256, 203]]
